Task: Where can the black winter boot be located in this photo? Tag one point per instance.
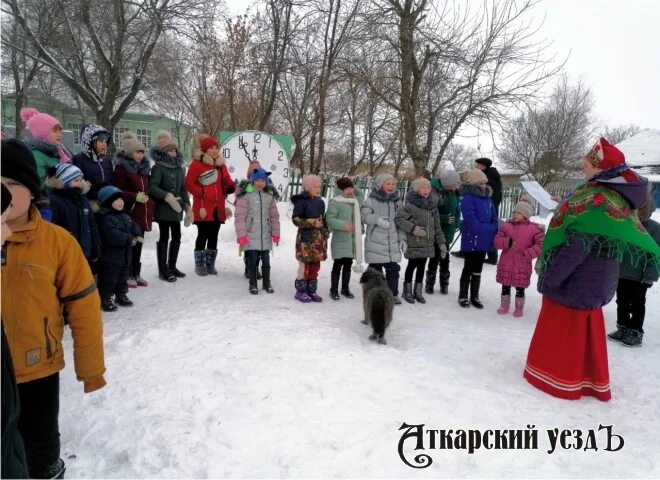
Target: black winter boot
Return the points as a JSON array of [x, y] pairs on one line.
[[463, 293], [444, 283], [266, 280], [107, 305], [408, 293], [334, 284], [163, 272], [475, 282], [418, 292], [200, 263], [172, 256], [123, 300], [430, 281], [345, 282], [252, 277], [618, 334]]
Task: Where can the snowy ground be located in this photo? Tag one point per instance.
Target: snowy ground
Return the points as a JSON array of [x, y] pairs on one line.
[[205, 380]]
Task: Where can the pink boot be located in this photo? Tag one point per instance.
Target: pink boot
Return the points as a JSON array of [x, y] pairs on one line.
[[504, 305], [520, 304]]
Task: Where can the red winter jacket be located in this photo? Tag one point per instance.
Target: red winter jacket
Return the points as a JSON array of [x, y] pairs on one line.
[[132, 178], [209, 197]]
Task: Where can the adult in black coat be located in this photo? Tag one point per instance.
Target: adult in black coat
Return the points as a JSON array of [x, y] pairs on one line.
[[494, 182], [14, 464]]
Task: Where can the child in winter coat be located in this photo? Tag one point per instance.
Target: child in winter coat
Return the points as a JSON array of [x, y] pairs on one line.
[[92, 160], [257, 223], [477, 232], [45, 279], [209, 183], [382, 248], [344, 220], [449, 209], [132, 177], [119, 233], [634, 281], [420, 221], [312, 238], [71, 210], [520, 241], [247, 185], [166, 187], [46, 143]]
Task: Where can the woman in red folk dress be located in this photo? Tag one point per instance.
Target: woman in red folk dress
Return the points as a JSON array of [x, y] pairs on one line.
[[590, 232]]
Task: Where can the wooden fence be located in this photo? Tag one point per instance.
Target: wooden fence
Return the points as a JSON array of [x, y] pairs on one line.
[[510, 195]]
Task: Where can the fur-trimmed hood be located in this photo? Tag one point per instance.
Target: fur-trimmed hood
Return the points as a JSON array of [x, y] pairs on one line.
[[55, 184], [243, 188], [143, 168], [378, 194], [162, 158], [428, 203], [467, 189], [208, 160]]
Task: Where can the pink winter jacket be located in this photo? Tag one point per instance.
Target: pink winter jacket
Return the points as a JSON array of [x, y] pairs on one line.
[[515, 265]]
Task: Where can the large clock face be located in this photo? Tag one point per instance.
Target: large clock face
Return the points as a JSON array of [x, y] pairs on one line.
[[243, 147]]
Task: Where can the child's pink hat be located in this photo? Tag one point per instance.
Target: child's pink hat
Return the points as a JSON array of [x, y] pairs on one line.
[[40, 124]]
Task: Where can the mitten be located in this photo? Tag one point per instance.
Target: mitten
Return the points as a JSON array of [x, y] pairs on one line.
[[86, 187], [94, 383], [141, 197], [188, 218], [243, 241], [276, 240], [134, 241], [443, 250], [382, 223], [228, 213], [202, 213], [173, 203], [419, 231], [139, 239]]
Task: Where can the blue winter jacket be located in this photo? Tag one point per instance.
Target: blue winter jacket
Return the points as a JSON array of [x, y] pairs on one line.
[[479, 224], [117, 232], [72, 211]]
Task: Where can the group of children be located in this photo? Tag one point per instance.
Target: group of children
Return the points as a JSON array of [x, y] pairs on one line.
[[420, 230]]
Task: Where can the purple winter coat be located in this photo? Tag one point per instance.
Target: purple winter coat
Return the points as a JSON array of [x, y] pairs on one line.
[[586, 278], [515, 265]]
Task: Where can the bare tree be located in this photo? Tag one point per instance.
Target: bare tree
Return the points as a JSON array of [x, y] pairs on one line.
[[102, 49], [620, 133], [460, 156], [547, 143]]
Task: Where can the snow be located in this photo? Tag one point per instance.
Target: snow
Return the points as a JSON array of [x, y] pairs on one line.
[[207, 381], [643, 149]]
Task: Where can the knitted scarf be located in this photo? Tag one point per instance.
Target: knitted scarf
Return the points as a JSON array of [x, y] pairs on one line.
[[357, 231], [602, 220]]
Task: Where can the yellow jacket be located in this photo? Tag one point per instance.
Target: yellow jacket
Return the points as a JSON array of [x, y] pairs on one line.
[[45, 277]]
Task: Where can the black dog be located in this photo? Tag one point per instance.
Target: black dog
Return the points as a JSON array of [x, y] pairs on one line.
[[378, 303]]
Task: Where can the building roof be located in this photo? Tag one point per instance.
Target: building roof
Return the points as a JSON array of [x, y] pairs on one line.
[[643, 149]]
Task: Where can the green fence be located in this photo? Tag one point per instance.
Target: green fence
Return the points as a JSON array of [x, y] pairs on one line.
[[510, 195]]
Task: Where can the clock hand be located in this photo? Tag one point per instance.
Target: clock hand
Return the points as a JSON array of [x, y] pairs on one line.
[[244, 147]]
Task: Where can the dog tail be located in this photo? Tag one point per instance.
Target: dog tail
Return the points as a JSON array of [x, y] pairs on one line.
[[379, 313]]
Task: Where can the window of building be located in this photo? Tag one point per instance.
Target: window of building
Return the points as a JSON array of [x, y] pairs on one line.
[[75, 128], [144, 136], [116, 136]]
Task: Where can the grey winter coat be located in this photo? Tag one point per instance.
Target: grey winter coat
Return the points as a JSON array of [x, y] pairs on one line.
[[420, 212], [381, 244], [256, 216]]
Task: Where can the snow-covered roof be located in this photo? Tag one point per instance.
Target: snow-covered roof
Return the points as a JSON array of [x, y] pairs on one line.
[[643, 149]]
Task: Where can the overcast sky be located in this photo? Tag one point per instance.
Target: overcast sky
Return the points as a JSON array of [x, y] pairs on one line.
[[613, 44]]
